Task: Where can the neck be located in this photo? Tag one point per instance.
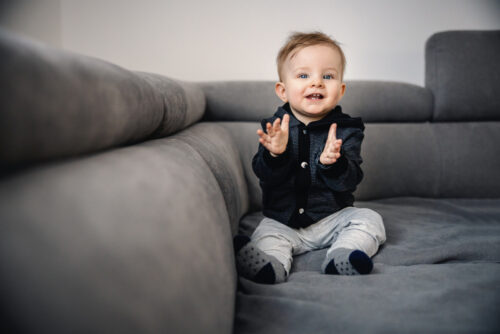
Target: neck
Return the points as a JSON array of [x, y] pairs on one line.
[[304, 119]]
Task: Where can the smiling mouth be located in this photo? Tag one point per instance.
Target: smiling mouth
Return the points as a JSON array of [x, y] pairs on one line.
[[314, 97]]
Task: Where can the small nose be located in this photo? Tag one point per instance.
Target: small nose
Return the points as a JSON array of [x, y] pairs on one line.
[[316, 82]]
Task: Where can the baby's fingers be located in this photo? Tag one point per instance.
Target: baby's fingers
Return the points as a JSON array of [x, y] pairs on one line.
[[263, 141], [276, 125], [261, 133], [285, 123], [338, 144], [269, 129]]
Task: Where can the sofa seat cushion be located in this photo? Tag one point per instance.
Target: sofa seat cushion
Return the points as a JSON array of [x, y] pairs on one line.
[[449, 298], [439, 271]]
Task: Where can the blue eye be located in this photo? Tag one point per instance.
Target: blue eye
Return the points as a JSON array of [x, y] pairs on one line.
[[327, 76], [303, 76]]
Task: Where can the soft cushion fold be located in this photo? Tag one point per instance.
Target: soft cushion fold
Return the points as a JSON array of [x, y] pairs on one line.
[[184, 103]]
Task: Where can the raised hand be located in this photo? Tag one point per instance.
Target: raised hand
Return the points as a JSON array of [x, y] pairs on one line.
[[331, 152], [276, 138]]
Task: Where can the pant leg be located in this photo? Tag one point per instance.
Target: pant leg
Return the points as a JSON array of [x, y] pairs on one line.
[[361, 229], [278, 240]]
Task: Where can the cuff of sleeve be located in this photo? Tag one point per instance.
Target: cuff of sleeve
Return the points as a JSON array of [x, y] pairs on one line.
[[275, 162], [336, 169]]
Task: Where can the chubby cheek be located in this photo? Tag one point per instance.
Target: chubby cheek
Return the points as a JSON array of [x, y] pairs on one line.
[[337, 91], [295, 94], [334, 95]]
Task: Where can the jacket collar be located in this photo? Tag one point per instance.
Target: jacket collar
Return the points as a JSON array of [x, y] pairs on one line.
[[334, 116]]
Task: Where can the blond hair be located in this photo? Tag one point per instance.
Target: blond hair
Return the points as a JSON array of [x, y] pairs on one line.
[[300, 40]]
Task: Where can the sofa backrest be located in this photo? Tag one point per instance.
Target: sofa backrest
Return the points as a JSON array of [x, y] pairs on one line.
[[251, 101], [411, 148], [97, 235], [56, 104], [463, 73]]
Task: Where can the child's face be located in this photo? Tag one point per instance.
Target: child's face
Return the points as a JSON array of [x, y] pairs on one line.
[[312, 82]]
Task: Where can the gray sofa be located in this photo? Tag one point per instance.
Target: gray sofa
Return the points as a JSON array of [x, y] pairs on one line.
[[120, 192]]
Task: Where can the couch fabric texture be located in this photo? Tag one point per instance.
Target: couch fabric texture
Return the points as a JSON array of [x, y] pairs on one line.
[[120, 192]]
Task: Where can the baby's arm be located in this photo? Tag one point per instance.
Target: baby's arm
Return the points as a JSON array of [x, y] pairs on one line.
[[272, 161], [276, 138], [344, 173], [331, 152]]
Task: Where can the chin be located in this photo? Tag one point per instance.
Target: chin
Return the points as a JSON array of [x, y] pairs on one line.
[[317, 113]]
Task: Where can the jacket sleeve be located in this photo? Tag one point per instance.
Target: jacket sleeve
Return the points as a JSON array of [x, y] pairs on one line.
[[271, 170], [345, 174]]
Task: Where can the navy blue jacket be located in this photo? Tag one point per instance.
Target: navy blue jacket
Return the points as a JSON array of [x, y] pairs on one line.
[[297, 189]]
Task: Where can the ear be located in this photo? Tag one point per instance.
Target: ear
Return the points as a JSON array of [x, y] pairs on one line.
[[280, 90], [342, 90]]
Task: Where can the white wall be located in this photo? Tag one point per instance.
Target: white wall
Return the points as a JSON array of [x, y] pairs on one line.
[[238, 40], [36, 19]]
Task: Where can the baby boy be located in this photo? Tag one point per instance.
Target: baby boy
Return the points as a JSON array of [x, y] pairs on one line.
[[308, 164]]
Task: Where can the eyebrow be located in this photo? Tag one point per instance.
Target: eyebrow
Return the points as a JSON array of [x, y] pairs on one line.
[[332, 68], [307, 68], [301, 68]]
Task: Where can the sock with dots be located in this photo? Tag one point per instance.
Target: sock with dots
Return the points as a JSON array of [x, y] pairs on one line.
[[255, 265], [344, 261]]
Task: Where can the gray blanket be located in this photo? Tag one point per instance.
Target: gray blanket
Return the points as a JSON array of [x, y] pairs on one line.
[[438, 272]]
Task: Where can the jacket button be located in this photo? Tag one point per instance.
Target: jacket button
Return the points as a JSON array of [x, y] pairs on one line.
[[304, 131], [304, 164], [301, 210]]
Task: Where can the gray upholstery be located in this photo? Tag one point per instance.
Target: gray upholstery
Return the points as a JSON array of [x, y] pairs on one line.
[[399, 160], [100, 238], [56, 104], [244, 135], [183, 103], [133, 240], [463, 72], [215, 144], [374, 101], [470, 159], [128, 240], [438, 272], [381, 101], [236, 100], [447, 160]]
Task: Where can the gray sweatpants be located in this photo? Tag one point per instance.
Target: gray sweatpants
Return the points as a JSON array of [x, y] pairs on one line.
[[351, 228]]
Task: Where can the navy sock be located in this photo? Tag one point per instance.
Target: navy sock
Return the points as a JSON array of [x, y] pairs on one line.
[[344, 261]]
